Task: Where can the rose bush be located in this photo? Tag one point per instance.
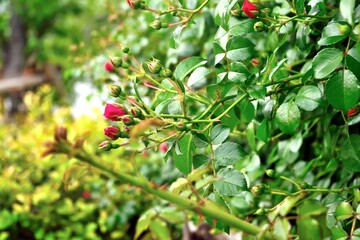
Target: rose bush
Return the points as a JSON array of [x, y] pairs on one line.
[[255, 105]]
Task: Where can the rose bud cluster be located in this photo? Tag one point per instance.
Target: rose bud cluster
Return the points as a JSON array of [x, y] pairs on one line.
[[249, 9]]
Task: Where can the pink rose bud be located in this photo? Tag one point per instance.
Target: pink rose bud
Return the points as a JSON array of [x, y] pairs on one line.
[[86, 194], [109, 67], [112, 132], [163, 147], [128, 120], [105, 145], [114, 111], [249, 9], [352, 112]]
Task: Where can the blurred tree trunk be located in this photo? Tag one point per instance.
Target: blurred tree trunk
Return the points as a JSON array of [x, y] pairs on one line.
[[14, 58]]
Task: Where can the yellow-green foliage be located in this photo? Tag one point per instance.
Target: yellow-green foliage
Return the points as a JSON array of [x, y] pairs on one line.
[[53, 197]]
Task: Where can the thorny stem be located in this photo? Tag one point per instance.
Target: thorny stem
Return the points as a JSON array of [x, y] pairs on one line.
[[207, 209]]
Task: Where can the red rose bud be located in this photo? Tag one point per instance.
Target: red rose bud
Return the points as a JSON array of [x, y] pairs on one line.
[[116, 61], [114, 111], [112, 132], [163, 147], [249, 9], [154, 65], [109, 67], [353, 112], [105, 145], [86, 194]]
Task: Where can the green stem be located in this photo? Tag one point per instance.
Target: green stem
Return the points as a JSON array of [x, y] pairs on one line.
[[208, 210]]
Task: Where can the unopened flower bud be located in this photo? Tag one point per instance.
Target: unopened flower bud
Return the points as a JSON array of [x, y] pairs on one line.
[[125, 49], [154, 65], [163, 147], [236, 12], [105, 145], [270, 173], [114, 111], [136, 113], [255, 62], [135, 4], [116, 61], [259, 26], [352, 112], [128, 120], [125, 132], [156, 25], [249, 9], [60, 134], [112, 132], [164, 25], [115, 90], [165, 72], [109, 66]]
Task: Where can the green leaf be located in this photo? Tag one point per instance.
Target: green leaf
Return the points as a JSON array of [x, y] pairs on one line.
[[353, 62], [6, 219], [263, 131], [242, 27], [247, 110], [174, 107], [238, 72], [309, 228], [343, 211], [200, 140], [350, 153], [250, 134], [199, 160], [342, 90], [219, 134], [326, 61], [338, 233], [198, 76], [228, 153], [334, 32], [184, 160], [347, 10], [257, 91], [311, 208], [308, 98], [231, 182], [281, 229], [288, 117], [239, 48], [144, 222], [187, 66], [176, 38], [159, 230], [300, 6]]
